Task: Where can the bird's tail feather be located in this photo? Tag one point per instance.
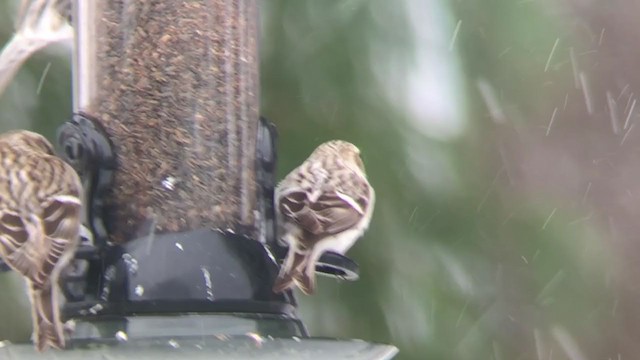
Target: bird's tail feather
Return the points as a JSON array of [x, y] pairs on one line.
[[47, 328], [282, 283], [290, 272], [306, 282]]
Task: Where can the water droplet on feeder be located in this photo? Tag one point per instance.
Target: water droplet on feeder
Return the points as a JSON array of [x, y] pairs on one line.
[[95, 309], [174, 344], [122, 336], [109, 275], [169, 183], [208, 283], [258, 340], [131, 263]]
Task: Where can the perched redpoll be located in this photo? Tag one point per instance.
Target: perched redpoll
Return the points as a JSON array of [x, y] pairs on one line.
[[40, 211], [323, 205]]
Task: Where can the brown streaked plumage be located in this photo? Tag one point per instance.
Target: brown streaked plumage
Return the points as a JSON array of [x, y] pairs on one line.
[[40, 211], [323, 205]]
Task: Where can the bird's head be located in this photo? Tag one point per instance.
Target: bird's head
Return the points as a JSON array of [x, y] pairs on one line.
[[22, 139], [343, 149]]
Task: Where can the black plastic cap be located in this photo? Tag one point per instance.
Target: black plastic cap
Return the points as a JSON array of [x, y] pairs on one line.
[[197, 271]]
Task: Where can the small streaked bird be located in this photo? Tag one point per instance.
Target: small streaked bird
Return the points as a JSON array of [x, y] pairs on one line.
[[323, 205], [40, 219]]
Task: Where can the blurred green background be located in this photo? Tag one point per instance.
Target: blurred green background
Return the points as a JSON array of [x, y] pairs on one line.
[[498, 135]]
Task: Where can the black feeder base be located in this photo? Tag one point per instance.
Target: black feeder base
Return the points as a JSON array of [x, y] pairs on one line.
[[202, 271]]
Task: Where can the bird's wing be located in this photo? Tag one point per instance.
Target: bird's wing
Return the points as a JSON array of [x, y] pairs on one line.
[[15, 248], [61, 224], [33, 247], [331, 213], [336, 212]]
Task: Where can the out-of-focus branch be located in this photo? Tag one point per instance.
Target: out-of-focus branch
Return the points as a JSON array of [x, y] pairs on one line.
[[39, 23]]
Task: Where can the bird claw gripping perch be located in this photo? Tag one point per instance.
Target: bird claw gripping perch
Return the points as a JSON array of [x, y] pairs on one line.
[[84, 144]]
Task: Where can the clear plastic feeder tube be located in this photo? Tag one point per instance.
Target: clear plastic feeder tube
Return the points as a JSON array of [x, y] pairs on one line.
[[175, 84]]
